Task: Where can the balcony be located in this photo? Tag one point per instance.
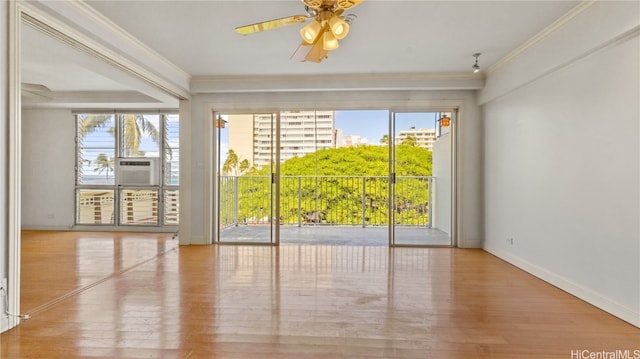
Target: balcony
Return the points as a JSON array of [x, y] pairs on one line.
[[329, 209]]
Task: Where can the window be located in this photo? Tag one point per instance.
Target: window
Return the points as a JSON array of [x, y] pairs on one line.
[[96, 149], [142, 191]]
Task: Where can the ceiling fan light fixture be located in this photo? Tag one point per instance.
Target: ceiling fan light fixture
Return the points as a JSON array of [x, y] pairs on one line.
[[310, 32], [330, 42], [339, 27]]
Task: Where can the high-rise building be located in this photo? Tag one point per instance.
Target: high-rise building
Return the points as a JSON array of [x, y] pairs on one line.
[[241, 140], [253, 136], [425, 137], [352, 141]]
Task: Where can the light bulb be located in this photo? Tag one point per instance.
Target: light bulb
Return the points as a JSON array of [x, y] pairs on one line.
[[310, 32], [330, 41], [339, 27]]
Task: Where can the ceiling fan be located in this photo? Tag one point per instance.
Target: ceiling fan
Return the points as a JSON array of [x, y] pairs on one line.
[[319, 36]]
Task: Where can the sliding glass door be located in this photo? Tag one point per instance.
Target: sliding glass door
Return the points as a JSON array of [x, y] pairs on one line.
[[413, 138], [247, 191], [370, 178]]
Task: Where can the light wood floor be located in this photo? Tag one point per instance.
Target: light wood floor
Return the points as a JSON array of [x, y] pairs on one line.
[[129, 295]]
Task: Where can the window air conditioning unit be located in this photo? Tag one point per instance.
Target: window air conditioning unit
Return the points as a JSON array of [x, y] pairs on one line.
[[137, 171]]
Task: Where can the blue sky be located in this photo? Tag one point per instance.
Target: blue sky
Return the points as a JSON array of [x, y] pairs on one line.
[[370, 125], [373, 124]]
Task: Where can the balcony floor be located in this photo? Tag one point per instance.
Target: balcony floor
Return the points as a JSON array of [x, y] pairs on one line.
[[337, 235]]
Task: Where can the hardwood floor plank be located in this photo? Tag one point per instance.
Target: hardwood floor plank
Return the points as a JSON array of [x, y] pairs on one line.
[[133, 295]]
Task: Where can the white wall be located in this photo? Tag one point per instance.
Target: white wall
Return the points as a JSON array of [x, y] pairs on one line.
[[48, 160], [442, 172], [198, 158], [4, 121], [562, 165]]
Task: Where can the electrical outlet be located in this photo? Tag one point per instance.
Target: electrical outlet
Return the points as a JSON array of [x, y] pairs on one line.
[[510, 241]]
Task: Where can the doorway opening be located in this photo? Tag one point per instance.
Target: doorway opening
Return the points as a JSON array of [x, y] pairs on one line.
[[353, 177]]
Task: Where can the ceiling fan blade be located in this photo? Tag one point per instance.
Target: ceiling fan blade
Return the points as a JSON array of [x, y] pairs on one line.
[[315, 52], [301, 52], [271, 24], [348, 4]]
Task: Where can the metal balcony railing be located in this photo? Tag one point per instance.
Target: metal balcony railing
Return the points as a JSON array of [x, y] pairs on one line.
[[326, 200]]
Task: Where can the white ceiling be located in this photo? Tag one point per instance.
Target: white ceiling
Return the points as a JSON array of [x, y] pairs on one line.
[[387, 37]]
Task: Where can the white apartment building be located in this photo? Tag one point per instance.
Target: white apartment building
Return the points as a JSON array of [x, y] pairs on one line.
[[252, 137], [352, 141], [425, 137]]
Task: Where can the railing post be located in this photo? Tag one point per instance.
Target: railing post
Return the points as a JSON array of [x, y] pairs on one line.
[[364, 202], [299, 201], [430, 202], [236, 198]]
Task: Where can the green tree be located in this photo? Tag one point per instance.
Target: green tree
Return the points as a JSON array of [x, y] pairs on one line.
[[104, 163], [135, 127], [384, 140], [339, 200], [231, 163], [409, 141], [234, 165], [244, 166]]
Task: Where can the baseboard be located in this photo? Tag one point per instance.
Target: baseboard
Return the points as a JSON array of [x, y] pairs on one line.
[[196, 240], [7, 323], [588, 295], [4, 323], [37, 227], [470, 244], [150, 229]]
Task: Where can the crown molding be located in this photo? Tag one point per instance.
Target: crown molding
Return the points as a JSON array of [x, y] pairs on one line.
[[127, 43], [540, 36], [352, 82], [606, 25], [90, 99], [42, 21]]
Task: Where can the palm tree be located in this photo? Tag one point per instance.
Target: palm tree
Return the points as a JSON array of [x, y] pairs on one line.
[[91, 123], [244, 165], [103, 162], [231, 163], [134, 128], [235, 165]]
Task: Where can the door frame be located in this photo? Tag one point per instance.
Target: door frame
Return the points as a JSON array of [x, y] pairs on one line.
[[274, 182], [451, 106], [392, 175]]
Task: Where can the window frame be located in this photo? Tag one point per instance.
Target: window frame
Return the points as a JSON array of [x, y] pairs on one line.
[[163, 187]]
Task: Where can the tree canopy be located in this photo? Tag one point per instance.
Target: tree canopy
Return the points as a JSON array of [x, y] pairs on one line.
[[359, 161], [339, 181]]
